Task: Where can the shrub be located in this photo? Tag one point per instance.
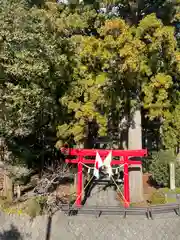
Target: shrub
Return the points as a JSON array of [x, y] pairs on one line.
[[42, 201], [146, 163], [33, 208], [177, 175], [36, 206], [159, 167]]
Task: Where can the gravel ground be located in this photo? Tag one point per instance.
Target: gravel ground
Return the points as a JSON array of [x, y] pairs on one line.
[[164, 227]]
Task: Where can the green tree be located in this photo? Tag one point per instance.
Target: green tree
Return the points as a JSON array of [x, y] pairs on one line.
[[85, 98], [133, 11], [161, 91], [36, 60]]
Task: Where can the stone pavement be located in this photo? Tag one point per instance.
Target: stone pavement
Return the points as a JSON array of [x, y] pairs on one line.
[[163, 227]]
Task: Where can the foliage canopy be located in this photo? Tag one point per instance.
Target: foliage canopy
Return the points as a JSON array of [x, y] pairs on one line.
[[77, 69]]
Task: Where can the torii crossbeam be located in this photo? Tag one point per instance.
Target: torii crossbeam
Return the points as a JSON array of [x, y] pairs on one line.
[[81, 155]]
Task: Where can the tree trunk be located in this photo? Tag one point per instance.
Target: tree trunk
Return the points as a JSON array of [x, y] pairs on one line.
[[135, 171], [123, 135]]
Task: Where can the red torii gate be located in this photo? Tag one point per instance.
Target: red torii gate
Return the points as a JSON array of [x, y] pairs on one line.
[[125, 154]]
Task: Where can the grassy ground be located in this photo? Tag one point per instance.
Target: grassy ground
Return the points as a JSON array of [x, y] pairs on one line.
[[167, 190], [158, 197], [31, 207], [169, 194]]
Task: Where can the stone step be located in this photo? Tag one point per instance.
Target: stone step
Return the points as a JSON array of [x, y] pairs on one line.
[[100, 197]]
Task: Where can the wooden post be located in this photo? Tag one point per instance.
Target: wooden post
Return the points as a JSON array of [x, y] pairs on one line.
[[172, 176], [18, 191]]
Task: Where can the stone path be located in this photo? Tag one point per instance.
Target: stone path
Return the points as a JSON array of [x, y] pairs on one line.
[[163, 227], [101, 197]]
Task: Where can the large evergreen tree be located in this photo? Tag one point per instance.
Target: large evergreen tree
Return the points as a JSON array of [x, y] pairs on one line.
[[36, 60]]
